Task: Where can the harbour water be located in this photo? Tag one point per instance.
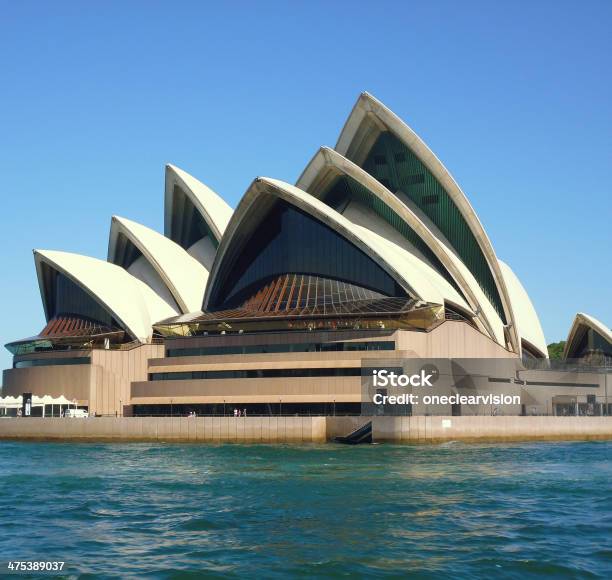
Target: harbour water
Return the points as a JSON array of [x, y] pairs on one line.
[[174, 510]]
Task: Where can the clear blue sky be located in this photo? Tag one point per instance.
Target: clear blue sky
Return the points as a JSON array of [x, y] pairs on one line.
[[514, 97]]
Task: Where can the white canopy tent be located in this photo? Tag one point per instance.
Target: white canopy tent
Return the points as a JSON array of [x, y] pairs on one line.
[[61, 402]]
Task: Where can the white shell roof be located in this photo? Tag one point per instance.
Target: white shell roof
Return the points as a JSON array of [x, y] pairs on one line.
[[213, 208], [326, 159], [131, 302], [528, 323], [414, 275], [428, 284], [368, 109], [184, 276], [585, 320]]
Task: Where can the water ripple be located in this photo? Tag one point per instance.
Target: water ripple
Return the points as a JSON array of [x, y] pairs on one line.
[[526, 510]]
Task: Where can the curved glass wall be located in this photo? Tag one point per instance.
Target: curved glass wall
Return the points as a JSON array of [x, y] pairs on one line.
[[69, 298], [403, 173], [344, 189], [290, 291], [47, 362], [289, 240], [188, 225], [590, 343], [126, 253], [600, 344]]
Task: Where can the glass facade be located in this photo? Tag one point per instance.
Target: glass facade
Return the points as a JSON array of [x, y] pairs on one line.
[[126, 253], [47, 362], [384, 314], [291, 241], [345, 189], [69, 298], [296, 347], [253, 409], [303, 291], [591, 343], [188, 225], [600, 344], [264, 374], [401, 171]]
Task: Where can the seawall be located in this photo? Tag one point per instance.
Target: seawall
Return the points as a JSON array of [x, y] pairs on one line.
[[205, 429], [436, 429], [418, 429]]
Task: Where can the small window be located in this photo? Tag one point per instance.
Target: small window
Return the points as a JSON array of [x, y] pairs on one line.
[[430, 199], [399, 157], [380, 160]]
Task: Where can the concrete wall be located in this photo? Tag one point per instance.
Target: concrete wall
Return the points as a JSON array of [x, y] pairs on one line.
[[291, 360], [285, 390], [203, 429], [431, 429], [419, 429], [103, 384], [451, 339], [112, 374], [72, 381]]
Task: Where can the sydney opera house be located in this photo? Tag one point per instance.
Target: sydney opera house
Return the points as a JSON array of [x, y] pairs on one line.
[[277, 306]]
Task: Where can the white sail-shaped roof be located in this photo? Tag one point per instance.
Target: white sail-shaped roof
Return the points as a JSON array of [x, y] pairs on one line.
[[367, 121], [168, 269], [426, 283], [527, 320], [195, 216], [328, 164], [128, 300], [417, 278], [582, 322]]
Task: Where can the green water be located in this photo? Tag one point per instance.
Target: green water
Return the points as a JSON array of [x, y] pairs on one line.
[[172, 511]]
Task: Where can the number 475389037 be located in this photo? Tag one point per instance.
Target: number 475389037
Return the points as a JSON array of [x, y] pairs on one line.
[[35, 566]]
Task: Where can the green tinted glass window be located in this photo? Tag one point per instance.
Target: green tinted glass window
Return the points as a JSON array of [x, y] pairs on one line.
[[404, 174], [345, 188]]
